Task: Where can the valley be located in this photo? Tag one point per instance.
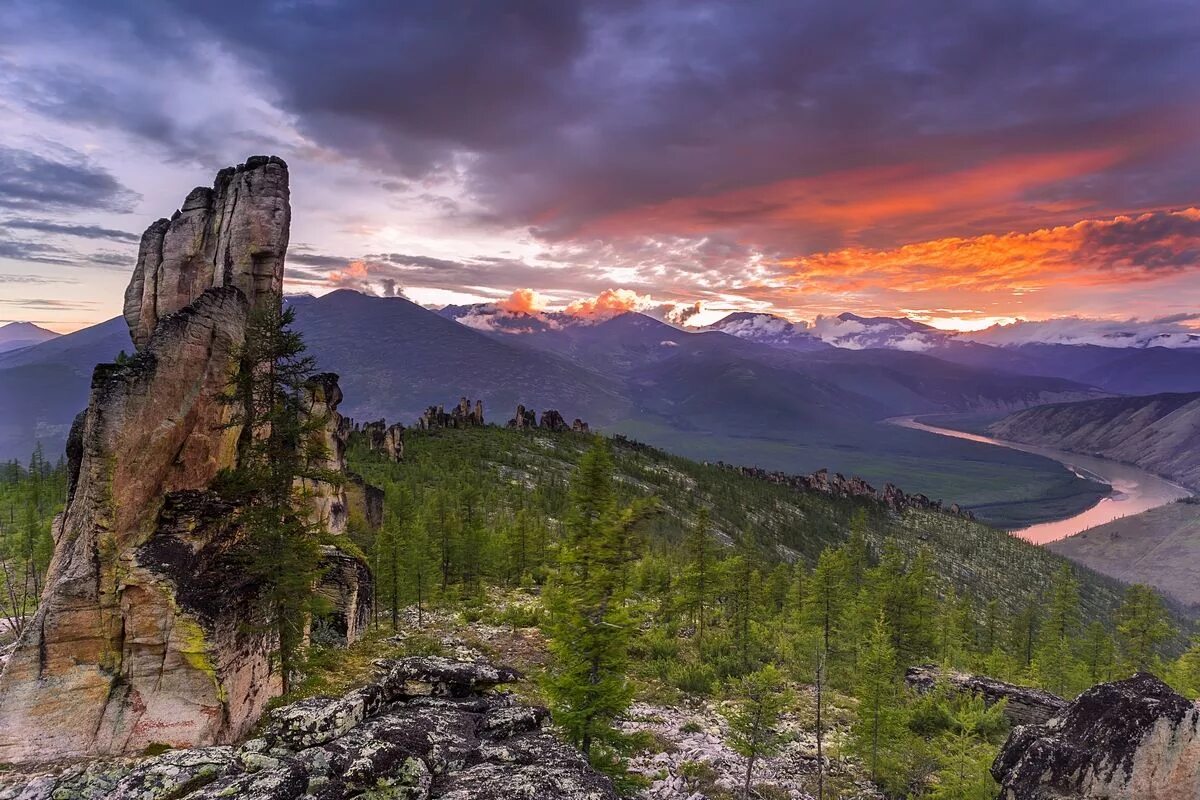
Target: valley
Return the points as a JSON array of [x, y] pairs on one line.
[[1131, 490]]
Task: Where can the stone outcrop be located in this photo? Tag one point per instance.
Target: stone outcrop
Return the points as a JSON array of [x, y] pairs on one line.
[[147, 633], [428, 728], [232, 235], [839, 485], [524, 419], [1133, 739], [1023, 705], [463, 415], [551, 420], [383, 438]]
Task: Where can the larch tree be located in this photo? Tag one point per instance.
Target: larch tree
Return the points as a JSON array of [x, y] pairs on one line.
[[588, 623], [758, 700]]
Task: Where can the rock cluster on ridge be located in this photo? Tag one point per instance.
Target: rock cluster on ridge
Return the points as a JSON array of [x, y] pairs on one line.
[[1133, 739], [147, 632], [427, 728], [839, 485]]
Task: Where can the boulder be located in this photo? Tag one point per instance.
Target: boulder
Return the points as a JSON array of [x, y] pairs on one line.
[[1134, 739], [434, 675], [478, 745], [1023, 705]]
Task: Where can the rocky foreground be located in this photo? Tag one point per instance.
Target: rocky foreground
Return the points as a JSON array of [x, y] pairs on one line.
[[429, 727], [1134, 739]]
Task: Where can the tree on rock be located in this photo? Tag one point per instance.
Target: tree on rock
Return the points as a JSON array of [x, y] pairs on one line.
[[279, 449]]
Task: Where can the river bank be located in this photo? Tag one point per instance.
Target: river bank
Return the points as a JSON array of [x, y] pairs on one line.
[[1134, 490]]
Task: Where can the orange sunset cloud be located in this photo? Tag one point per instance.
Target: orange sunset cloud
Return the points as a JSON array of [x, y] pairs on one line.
[[1088, 253]]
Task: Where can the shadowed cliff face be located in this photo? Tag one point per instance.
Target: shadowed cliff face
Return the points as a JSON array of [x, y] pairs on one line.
[[147, 632]]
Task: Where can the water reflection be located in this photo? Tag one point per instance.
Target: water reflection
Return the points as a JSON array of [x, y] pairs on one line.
[[1134, 490]]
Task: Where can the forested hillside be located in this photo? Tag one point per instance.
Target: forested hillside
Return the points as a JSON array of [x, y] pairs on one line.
[[724, 586]]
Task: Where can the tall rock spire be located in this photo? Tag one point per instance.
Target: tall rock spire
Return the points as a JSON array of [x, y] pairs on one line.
[[147, 633], [234, 234]]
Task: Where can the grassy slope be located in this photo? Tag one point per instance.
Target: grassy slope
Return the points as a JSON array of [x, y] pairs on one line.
[[975, 557], [1159, 547], [1005, 488]]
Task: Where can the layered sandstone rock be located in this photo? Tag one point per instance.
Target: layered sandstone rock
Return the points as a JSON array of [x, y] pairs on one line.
[[147, 632], [1134, 739]]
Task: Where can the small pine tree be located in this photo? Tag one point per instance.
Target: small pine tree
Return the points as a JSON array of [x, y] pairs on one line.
[[700, 573], [588, 622], [758, 700], [1143, 624], [965, 754], [878, 735]]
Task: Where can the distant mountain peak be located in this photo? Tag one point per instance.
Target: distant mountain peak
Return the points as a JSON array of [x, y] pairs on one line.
[[16, 335], [766, 328]]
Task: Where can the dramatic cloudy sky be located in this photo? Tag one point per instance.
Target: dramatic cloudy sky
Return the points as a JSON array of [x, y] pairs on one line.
[[954, 161]]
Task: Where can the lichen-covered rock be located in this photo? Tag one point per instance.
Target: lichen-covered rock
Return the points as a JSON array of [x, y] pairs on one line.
[[1023, 705], [362, 745], [111, 663], [1134, 739], [434, 675]]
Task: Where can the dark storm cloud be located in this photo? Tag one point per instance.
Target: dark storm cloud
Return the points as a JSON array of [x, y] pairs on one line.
[[1153, 242], [67, 181], [574, 111], [68, 229]]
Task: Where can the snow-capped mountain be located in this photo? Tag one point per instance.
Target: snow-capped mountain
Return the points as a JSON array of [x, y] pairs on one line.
[[767, 329]]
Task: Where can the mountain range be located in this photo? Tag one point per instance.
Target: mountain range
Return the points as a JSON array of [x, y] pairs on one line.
[[706, 394]]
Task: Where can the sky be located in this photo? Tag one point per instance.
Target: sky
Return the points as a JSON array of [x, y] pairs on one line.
[[960, 163]]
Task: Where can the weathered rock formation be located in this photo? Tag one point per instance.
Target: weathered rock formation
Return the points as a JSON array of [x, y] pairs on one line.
[[232, 235], [524, 419], [838, 485], [1130, 740], [428, 728], [1024, 706], [147, 632], [551, 420], [383, 438], [463, 415]]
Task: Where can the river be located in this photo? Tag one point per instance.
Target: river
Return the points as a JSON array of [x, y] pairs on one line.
[[1134, 490]]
